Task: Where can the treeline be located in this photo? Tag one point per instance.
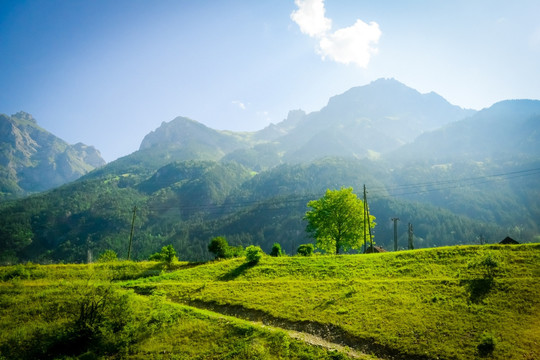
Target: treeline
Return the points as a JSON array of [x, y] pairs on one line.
[[188, 203]]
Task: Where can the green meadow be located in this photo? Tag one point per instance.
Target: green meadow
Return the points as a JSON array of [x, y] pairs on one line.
[[444, 303]]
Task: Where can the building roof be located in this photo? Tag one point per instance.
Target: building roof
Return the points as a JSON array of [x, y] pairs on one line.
[[508, 240]]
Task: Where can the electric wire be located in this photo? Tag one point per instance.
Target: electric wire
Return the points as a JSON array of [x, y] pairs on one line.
[[277, 202]]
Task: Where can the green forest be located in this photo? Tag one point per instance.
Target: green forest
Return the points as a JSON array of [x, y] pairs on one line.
[[186, 203]]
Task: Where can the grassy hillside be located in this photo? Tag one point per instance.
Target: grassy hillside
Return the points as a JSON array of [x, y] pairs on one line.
[[445, 303], [83, 312], [448, 303]]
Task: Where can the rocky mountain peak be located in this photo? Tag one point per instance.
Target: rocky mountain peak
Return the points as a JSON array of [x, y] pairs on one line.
[[32, 159]]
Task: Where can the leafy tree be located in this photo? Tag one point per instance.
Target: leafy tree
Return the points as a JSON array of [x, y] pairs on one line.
[[305, 250], [253, 254], [166, 255], [108, 256], [336, 221], [276, 250], [219, 247]]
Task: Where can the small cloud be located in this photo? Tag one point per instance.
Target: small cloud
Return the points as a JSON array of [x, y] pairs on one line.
[[354, 44], [240, 104], [310, 17]]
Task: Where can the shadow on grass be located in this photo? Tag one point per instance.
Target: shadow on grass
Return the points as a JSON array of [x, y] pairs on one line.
[[478, 289], [236, 272]]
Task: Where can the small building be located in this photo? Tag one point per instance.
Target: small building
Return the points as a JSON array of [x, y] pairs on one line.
[[375, 249], [508, 241]]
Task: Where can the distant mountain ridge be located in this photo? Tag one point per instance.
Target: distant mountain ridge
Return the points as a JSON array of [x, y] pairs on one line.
[[508, 129], [371, 119], [33, 160], [457, 175], [365, 121]]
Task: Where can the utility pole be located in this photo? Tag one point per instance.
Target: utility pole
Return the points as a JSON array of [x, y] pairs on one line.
[[131, 234], [366, 217], [395, 220], [411, 245]]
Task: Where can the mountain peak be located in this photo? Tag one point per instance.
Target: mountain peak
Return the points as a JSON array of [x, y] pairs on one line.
[[35, 160], [175, 132], [21, 115]]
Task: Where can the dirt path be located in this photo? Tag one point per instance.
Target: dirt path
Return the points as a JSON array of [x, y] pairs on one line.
[[318, 341], [298, 335]]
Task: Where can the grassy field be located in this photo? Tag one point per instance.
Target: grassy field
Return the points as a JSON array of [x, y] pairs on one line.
[[451, 303], [443, 303], [83, 312]]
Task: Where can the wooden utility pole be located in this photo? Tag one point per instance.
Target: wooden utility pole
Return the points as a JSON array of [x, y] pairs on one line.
[[131, 234], [395, 220], [411, 245], [366, 218]]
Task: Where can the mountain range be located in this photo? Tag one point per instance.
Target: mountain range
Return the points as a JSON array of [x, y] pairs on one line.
[[457, 175]]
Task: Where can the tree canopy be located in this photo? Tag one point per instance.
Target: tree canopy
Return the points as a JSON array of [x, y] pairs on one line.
[[336, 221]]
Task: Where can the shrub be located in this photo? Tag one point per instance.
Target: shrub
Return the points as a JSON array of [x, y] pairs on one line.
[[108, 256], [276, 250], [253, 254], [487, 344], [305, 250], [234, 251], [221, 249], [488, 264]]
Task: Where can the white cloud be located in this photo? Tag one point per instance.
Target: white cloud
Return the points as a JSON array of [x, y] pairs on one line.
[[310, 17], [354, 44], [240, 104]]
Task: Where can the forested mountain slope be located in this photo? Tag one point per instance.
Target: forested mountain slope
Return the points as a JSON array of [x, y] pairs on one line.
[[189, 183]]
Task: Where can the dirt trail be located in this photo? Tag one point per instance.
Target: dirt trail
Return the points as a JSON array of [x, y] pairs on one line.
[[318, 341], [303, 331], [298, 335]]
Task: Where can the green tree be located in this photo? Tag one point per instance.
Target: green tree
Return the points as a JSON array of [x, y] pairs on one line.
[[166, 255], [336, 221], [219, 247]]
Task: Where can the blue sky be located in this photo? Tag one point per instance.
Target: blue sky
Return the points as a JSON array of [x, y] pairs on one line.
[[106, 73]]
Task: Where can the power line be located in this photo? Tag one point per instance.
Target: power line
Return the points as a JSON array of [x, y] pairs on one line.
[[381, 192]]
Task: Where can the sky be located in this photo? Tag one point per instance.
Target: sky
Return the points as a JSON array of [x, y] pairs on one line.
[[106, 73]]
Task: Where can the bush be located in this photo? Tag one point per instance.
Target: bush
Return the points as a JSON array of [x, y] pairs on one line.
[[221, 249], [305, 250], [253, 254], [489, 265], [487, 344], [234, 251], [276, 250], [108, 256]]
